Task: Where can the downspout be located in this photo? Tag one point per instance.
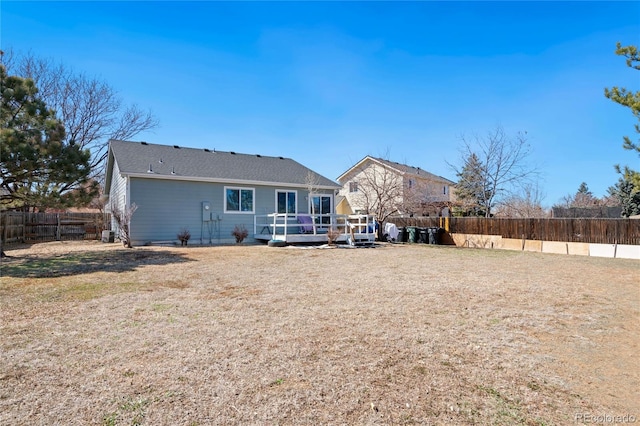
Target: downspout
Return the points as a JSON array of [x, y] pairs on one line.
[[127, 201]]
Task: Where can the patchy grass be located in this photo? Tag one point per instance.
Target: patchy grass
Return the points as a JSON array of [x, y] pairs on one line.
[[84, 291], [66, 264], [94, 334]]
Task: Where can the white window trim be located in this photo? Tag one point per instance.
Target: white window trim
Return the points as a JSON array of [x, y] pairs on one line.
[[319, 194], [285, 191], [240, 188]]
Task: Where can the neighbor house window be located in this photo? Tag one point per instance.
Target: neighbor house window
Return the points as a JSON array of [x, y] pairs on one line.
[[286, 201], [239, 200], [444, 190], [353, 186], [412, 183]]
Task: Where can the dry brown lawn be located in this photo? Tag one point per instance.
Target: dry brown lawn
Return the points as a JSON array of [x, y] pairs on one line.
[[95, 334]]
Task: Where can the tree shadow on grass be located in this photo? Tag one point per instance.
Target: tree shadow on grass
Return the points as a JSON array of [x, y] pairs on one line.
[[78, 263]]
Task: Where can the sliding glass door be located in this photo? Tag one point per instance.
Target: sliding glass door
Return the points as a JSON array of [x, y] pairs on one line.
[[321, 205]]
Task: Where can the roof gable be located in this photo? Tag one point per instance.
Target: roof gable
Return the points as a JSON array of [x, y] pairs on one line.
[[142, 159], [397, 167]]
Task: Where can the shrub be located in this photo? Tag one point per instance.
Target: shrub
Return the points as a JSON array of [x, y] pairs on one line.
[[184, 236], [240, 233], [123, 220], [332, 236]]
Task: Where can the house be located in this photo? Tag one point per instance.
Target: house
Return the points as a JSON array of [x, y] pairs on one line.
[[209, 192], [386, 187]]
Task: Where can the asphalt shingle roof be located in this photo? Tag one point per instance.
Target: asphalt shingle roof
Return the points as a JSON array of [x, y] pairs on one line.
[[412, 170], [176, 161]]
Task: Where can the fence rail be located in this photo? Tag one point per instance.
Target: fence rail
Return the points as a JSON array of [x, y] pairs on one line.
[[583, 230], [40, 227]]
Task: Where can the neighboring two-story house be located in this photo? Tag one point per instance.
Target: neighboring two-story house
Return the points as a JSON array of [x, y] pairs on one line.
[[382, 187]]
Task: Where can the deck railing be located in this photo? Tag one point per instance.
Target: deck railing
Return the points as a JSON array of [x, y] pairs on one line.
[[280, 225]]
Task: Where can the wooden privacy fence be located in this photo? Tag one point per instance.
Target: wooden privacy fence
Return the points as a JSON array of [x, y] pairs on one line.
[[39, 227], [582, 230]]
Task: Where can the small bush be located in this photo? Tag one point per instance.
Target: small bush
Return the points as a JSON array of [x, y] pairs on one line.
[[184, 235], [332, 236], [240, 233]]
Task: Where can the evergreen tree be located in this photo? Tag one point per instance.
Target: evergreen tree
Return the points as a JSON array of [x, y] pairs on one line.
[[631, 100], [628, 195], [584, 189], [38, 169], [584, 197], [471, 190]]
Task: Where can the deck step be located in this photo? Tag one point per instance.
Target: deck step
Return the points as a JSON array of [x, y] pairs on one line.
[[360, 241]]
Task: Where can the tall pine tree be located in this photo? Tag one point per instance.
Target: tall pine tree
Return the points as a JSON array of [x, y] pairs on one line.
[[471, 190], [38, 169], [625, 97], [627, 189]]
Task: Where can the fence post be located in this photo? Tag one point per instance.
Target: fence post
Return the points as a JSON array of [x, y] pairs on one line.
[[58, 227]]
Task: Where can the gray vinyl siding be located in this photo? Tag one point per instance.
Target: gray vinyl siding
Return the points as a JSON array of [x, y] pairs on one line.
[[117, 193], [165, 207]]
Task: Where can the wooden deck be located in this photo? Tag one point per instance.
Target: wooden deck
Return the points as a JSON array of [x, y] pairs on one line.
[[313, 229]]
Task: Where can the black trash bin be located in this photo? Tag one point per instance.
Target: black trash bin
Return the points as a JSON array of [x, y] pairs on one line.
[[431, 234], [402, 235], [422, 235], [435, 235]]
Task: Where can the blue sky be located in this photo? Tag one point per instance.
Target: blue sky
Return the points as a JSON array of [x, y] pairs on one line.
[[327, 83]]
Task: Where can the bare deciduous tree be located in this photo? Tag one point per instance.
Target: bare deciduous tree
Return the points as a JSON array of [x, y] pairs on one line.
[[311, 182], [90, 109], [526, 204], [583, 198], [380, 190], [123, 216], [423, 196], [501, 166]]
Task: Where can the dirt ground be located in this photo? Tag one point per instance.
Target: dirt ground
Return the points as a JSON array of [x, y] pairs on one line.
[[92, 333]]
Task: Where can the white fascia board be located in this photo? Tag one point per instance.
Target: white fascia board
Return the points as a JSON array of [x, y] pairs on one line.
[[223, 181]]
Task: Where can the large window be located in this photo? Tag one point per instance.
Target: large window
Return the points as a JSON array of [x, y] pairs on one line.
[[238, 200], [286, 202]]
